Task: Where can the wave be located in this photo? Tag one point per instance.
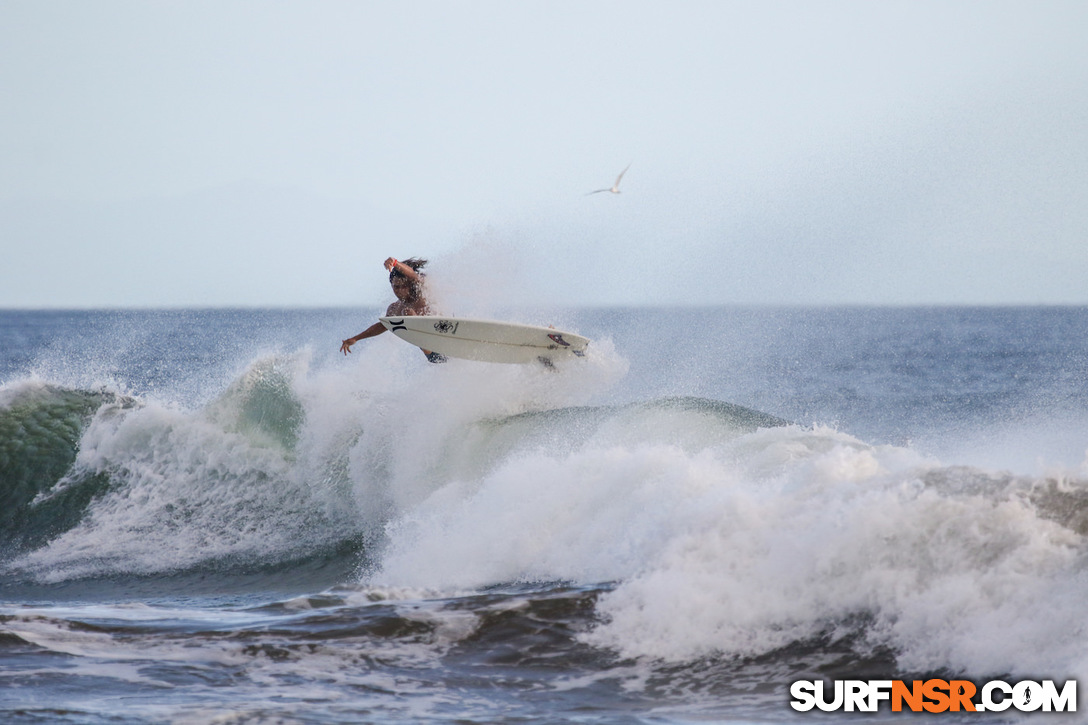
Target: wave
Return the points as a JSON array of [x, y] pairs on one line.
[[40, 428], [277, 467], [103, 485], [704, 528], [735, 542], [281, 466]]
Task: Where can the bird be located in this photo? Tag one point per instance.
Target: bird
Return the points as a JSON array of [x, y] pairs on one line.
[[615, 187]]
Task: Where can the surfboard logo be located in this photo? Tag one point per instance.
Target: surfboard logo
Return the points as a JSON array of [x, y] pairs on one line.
[[445, 327], [397, 325], [558, 339]]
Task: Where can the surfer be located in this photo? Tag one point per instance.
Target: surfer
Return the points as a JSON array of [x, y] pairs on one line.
[[407, 283]]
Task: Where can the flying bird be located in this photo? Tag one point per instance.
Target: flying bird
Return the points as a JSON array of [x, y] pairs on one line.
[[615, 187]]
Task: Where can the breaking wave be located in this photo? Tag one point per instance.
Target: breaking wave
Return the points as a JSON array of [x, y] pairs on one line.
[[700, 528]]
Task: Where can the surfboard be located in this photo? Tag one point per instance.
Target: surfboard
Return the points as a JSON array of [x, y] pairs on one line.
[[487, 340]]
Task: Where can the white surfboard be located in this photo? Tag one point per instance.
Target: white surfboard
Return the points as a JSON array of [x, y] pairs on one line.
[[487, 340]]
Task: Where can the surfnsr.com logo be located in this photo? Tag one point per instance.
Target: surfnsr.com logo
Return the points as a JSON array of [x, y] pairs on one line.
[[934, 696]]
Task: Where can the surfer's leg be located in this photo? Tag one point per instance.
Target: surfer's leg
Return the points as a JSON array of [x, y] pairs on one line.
[[435, 357]]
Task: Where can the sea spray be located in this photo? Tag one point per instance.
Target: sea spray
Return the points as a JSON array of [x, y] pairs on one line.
[[976, 581], [746, 542], [710, 554], [285, 461], [188, 487]]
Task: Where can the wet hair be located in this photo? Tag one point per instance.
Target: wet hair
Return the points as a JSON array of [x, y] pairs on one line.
[[415, 263]]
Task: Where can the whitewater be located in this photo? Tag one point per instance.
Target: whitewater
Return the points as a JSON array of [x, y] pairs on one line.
[[212, 516]]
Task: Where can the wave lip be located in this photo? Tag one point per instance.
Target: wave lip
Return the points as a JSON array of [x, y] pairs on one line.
[[138, 488], [40, 430]]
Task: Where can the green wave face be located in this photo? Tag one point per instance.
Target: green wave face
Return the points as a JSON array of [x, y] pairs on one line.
[[40, 428]]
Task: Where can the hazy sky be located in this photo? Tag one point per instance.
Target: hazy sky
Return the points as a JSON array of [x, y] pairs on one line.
[[274, 153]]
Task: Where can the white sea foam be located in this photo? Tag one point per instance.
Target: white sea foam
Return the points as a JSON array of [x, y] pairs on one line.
[[185, 487], [750, 543], [973, 582], [718, 538], [288, 459], [318, 671]]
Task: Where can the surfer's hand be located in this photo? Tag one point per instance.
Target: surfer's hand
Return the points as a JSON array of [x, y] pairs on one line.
[[345, 346], [390, 264]]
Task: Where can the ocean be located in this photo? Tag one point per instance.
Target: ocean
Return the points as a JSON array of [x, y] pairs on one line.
[[211, 516]]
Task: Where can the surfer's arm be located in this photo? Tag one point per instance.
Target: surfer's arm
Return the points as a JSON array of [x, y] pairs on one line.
[[376, 329], [410, 274]]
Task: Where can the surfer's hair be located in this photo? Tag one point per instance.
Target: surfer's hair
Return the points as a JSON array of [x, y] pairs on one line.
[[415, 263]]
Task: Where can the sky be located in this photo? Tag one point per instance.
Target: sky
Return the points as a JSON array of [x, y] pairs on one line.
[[274, 153]]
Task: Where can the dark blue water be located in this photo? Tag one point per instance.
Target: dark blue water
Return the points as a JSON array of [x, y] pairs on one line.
[[212, 515]]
